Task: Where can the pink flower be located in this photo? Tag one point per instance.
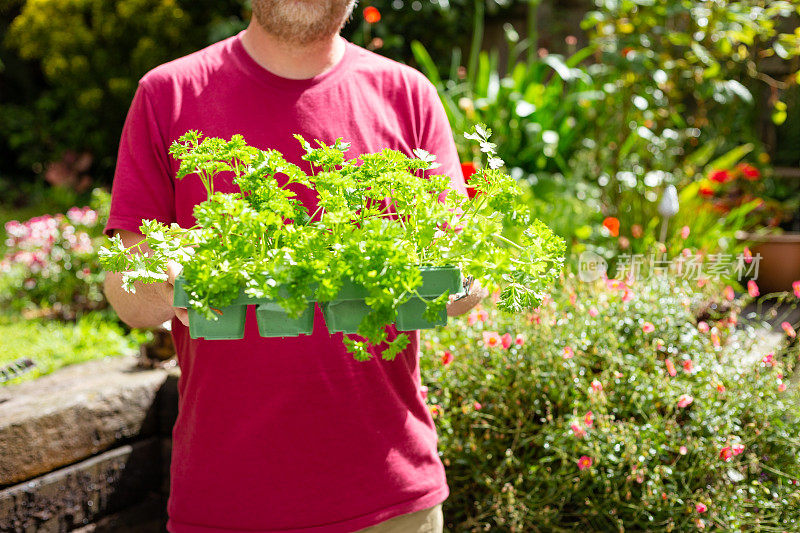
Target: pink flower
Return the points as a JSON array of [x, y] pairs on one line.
[[728, 293], [588, 419], [568, 353], [769, 359], [726, 454], [491, 339], [688, 366], [506, 340], [796, 288], [447, 358], [720, 387], [781, 387], [748, 255], [685, 232], [702, 326], [577, 430], [752, 289], [670, 367], [519, 340], [477, 406], [701, 508], [648, 327], [597, 386], [472, 319], [584, 462], [788, 329], [685, 400], [593, 312], [424, 390], [737, 449], [682, 450], [483, 315]]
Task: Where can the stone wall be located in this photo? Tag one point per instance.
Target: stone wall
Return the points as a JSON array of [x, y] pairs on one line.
[[87, 449]]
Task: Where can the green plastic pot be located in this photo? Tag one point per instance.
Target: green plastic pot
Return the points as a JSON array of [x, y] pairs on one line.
[[271, 317], [435, 282], [273, 321], [345, 313]]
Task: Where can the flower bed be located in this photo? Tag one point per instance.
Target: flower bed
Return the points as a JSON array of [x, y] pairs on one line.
[[610, 408]]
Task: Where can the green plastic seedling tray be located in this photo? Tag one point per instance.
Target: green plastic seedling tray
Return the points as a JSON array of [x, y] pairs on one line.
[[272, 319], [348, 310]]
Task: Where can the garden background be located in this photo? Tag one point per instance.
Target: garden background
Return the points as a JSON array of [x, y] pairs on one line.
[[653, 136]]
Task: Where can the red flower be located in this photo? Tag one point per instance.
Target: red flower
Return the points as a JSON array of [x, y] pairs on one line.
[[720, 176], [612, 225], [748, 171], [726, 454], [688, 366], [648, 327], [588, 419], [752, 288], [468, 168], [447, 358], [371, 14], [519, 340], [701, 507], [506, 340]]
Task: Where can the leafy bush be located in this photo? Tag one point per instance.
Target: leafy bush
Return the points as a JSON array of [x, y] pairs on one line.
[[50, 266], [612, 408]]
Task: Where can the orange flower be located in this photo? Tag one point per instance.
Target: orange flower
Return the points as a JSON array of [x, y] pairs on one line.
[[371, 14], [612, 225], [670, 367]]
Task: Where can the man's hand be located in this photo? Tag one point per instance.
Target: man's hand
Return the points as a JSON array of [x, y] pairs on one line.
[[465, 304], [151, 304]]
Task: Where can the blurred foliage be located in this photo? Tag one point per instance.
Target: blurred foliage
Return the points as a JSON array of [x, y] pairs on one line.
[[657, 99], [612, 408], [71, 68]]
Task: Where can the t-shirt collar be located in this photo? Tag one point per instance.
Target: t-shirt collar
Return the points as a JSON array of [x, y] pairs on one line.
[[251, 67]]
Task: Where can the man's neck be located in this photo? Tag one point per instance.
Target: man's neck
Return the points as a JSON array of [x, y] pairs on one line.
[[297, 62]]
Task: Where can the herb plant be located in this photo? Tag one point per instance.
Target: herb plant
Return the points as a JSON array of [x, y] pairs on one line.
[[378, 219]]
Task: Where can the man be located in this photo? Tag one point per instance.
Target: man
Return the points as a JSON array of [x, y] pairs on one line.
[[285, 434]]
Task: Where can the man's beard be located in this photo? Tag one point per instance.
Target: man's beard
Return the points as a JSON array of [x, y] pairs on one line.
[[302, 21]]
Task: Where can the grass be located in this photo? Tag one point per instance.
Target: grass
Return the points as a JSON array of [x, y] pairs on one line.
[[52, 345]]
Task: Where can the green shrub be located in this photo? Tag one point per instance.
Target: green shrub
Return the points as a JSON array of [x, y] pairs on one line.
[[580, 424], [83, 59]]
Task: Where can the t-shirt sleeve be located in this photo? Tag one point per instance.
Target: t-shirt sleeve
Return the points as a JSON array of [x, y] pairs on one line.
[[143, 187], [436, 137]]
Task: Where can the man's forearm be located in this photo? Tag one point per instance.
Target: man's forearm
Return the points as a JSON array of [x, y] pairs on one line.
[[148, 307]]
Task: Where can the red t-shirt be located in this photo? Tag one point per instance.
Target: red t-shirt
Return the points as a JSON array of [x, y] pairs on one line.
[[288, 434]]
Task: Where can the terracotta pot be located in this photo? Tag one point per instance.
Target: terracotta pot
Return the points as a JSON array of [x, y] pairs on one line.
[[780, 260]]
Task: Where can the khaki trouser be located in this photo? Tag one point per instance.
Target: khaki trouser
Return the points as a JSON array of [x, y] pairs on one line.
[[425, 521]]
